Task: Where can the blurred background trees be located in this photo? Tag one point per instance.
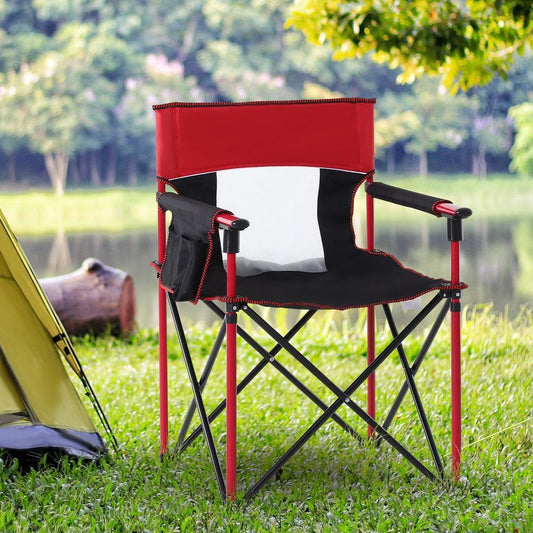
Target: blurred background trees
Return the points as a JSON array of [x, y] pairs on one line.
[[78, 79]]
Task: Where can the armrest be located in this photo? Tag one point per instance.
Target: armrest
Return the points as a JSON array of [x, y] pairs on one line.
[[428, 204], [228, 221], [199, 212]]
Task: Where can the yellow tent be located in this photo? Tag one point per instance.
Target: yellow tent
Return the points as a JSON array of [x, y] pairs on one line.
[[40, 409]]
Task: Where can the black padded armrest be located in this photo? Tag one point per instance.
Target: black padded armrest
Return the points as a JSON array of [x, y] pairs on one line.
[[415, 200], [187, 207], [199, 213]]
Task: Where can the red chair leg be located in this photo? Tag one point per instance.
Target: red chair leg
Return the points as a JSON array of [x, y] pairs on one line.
[[371, 314], [163, 372], [371, 354], [231, 383], [456, 389], [456, 363]]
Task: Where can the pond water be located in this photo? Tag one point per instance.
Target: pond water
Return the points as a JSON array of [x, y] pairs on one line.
[[496, 259]]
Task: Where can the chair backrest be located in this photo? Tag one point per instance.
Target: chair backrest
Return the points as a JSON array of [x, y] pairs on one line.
[[275, 163]]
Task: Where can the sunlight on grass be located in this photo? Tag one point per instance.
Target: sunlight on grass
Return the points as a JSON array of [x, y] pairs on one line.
[[92, 210], [123, 209], [334, 483]]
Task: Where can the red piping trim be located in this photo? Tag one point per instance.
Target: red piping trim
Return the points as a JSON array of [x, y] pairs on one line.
[[367, 176], [265, 102], [380, 252], [167, 182], [308, 305], [209, 252], [211, 243]]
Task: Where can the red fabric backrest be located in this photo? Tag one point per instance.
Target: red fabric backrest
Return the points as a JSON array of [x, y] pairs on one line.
[[198, 138]]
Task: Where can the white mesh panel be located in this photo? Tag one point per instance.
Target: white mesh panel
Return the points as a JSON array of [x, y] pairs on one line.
[[281, 205]]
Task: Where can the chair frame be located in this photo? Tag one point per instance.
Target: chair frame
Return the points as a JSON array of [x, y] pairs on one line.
[[230, 330]]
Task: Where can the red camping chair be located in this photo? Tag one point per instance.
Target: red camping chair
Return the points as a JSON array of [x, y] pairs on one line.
[[210, 154]]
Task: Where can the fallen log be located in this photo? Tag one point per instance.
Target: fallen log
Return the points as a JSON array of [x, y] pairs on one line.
[[93, 299]]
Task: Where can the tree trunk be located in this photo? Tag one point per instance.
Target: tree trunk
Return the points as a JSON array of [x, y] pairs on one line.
[[94, 170], [132, 172], [75, 171], [12, 169], [93, 299], [482, 161], [111, 170], [83, 166], [475, 164], [391, 159], [423, 165], [57, 166]]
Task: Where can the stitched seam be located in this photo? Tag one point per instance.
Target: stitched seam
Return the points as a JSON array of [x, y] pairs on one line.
[[352, 206], [209, 253], [241, 299], [265, 102], [166, 182]]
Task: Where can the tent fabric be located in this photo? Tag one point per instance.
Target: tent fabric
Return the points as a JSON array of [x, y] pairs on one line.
[[42, 438], [39, 405]]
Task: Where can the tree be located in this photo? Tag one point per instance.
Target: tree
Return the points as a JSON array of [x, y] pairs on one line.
[[9, 145], [492, 135], [441, 120], [92, 111], [464, 42], [394, 123], [162, 81], [522, 150], [245, 56], [491, 130], [60, 103]]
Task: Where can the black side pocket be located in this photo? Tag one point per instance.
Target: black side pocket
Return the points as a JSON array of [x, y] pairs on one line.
[[183, 266]]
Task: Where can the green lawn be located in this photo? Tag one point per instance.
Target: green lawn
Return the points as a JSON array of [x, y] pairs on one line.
[[121, 209], [91, 210], [334, 483]]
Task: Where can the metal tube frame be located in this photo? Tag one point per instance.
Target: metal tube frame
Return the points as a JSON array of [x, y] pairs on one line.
[[162, 311], [228, 489], [455, 308], [343, 396], [371, 314]]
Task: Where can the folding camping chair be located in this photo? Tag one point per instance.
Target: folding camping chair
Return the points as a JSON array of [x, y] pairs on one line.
[[210, 154]]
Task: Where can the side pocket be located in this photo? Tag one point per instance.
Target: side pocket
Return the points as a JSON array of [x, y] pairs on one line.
[[183, 266]]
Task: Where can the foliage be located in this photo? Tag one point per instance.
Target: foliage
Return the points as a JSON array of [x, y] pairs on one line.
[[522, 150], [333, 485], [427, 118], [78, 79], [465, 43], [61, 103], [524, 252]]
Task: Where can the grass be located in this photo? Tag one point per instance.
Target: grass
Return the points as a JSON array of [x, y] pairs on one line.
[[36, 212], [334, 483]]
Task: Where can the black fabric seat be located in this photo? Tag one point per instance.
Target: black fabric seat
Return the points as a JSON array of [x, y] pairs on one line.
[[370, 279]]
